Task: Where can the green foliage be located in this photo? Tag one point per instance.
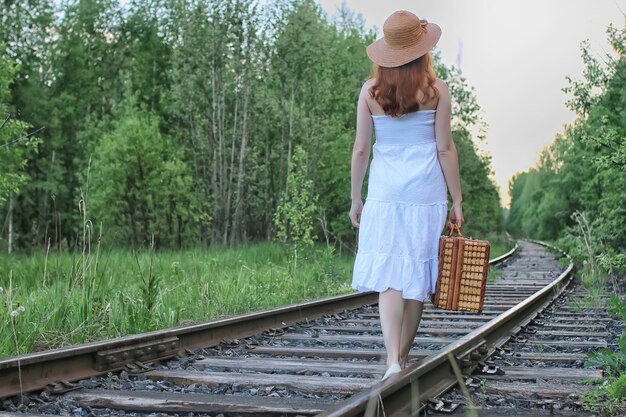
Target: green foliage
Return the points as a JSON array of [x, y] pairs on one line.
[[16, 147], [575, 196], [481, 202], [232, 87], [609, 400], [141, 187], [617, 390], [613, 363], [576, 193], [617, 306], [610, 397], [295, 215], [223, 281], [465, 108]]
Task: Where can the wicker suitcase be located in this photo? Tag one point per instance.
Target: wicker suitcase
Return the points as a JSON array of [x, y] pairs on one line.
[[462, 275]]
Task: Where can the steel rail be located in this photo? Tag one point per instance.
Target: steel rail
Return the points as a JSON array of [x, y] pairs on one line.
[[405, 393], [35, 371], [503, 257]]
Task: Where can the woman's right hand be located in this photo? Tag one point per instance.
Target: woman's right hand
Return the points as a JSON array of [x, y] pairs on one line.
[[456, 215], [355, 212]]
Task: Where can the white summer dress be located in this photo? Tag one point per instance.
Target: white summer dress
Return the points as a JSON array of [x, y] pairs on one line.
[[405, 210]]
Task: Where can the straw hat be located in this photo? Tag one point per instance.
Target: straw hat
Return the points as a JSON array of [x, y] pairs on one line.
[[406, 38]]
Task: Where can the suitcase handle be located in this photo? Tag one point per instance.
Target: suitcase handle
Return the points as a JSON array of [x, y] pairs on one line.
[[452, 227]]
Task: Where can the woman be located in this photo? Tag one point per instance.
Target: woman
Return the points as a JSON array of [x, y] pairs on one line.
[[414, 164]]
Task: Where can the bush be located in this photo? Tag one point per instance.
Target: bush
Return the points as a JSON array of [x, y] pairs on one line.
[[141, 187]]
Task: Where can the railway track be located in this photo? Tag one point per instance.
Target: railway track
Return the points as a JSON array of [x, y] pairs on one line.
[[324, 357], [541, 371]]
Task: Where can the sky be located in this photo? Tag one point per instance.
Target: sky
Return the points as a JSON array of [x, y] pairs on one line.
[[517, 55]]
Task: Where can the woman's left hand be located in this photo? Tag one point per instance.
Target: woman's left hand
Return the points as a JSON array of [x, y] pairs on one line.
[[456, 215], [355, 212]]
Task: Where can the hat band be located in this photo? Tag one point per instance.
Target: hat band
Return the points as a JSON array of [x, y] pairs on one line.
[[405, 37]]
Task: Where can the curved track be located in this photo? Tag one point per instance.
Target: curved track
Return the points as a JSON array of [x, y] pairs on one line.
[[324, 357]]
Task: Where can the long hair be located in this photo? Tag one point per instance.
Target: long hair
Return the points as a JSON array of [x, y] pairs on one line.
[[395, 89]]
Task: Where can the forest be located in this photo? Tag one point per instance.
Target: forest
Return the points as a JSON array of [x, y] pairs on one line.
[[575, 195], [184, 124], [172, 161]]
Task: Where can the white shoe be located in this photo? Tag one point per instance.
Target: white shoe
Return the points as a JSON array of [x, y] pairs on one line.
[[393, 369]]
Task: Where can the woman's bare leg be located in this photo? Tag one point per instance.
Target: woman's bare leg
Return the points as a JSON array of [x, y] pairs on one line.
[[391, 310], [411, 317]]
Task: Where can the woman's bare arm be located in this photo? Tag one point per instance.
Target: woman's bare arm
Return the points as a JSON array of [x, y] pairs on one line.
[[360, 153], [446, 150]]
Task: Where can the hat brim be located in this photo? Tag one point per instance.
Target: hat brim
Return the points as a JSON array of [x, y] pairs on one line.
[[384, 55]]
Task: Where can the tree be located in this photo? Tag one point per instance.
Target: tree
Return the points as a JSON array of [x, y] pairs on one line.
[[295, 215], [140, 186], [481, 202], [216, 69], [580, 176], [16, 146], [233, 86]]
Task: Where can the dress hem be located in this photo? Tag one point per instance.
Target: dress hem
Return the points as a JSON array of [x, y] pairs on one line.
[[404, 296]]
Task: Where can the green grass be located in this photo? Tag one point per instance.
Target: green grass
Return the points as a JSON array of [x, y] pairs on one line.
[[499, 245], [71, 299], [609, 396]]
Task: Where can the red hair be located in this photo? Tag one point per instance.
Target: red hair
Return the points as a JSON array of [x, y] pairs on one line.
[[395, 89]]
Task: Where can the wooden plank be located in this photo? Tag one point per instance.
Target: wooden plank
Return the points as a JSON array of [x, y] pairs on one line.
[[547, 356], [575, 318], [580, 308], [512, 291], [176, 402], [539, 267], [574, 315], [533, 268], [425, 323], [586, 298], [502, 302], [270, 365], [573, 325], [318, 384], [514, 412], [372, 329], [444, 315], [525, 280], [456, 315], [489, 303], [511, 285], [487, 309], [563, 343], [522, 275], [530, 373], [565, 333], [323, 352], [543, 390], [334, 338], [465, 317]]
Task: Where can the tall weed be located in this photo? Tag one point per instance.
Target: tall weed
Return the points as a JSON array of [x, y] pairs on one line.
[[130, 292]]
